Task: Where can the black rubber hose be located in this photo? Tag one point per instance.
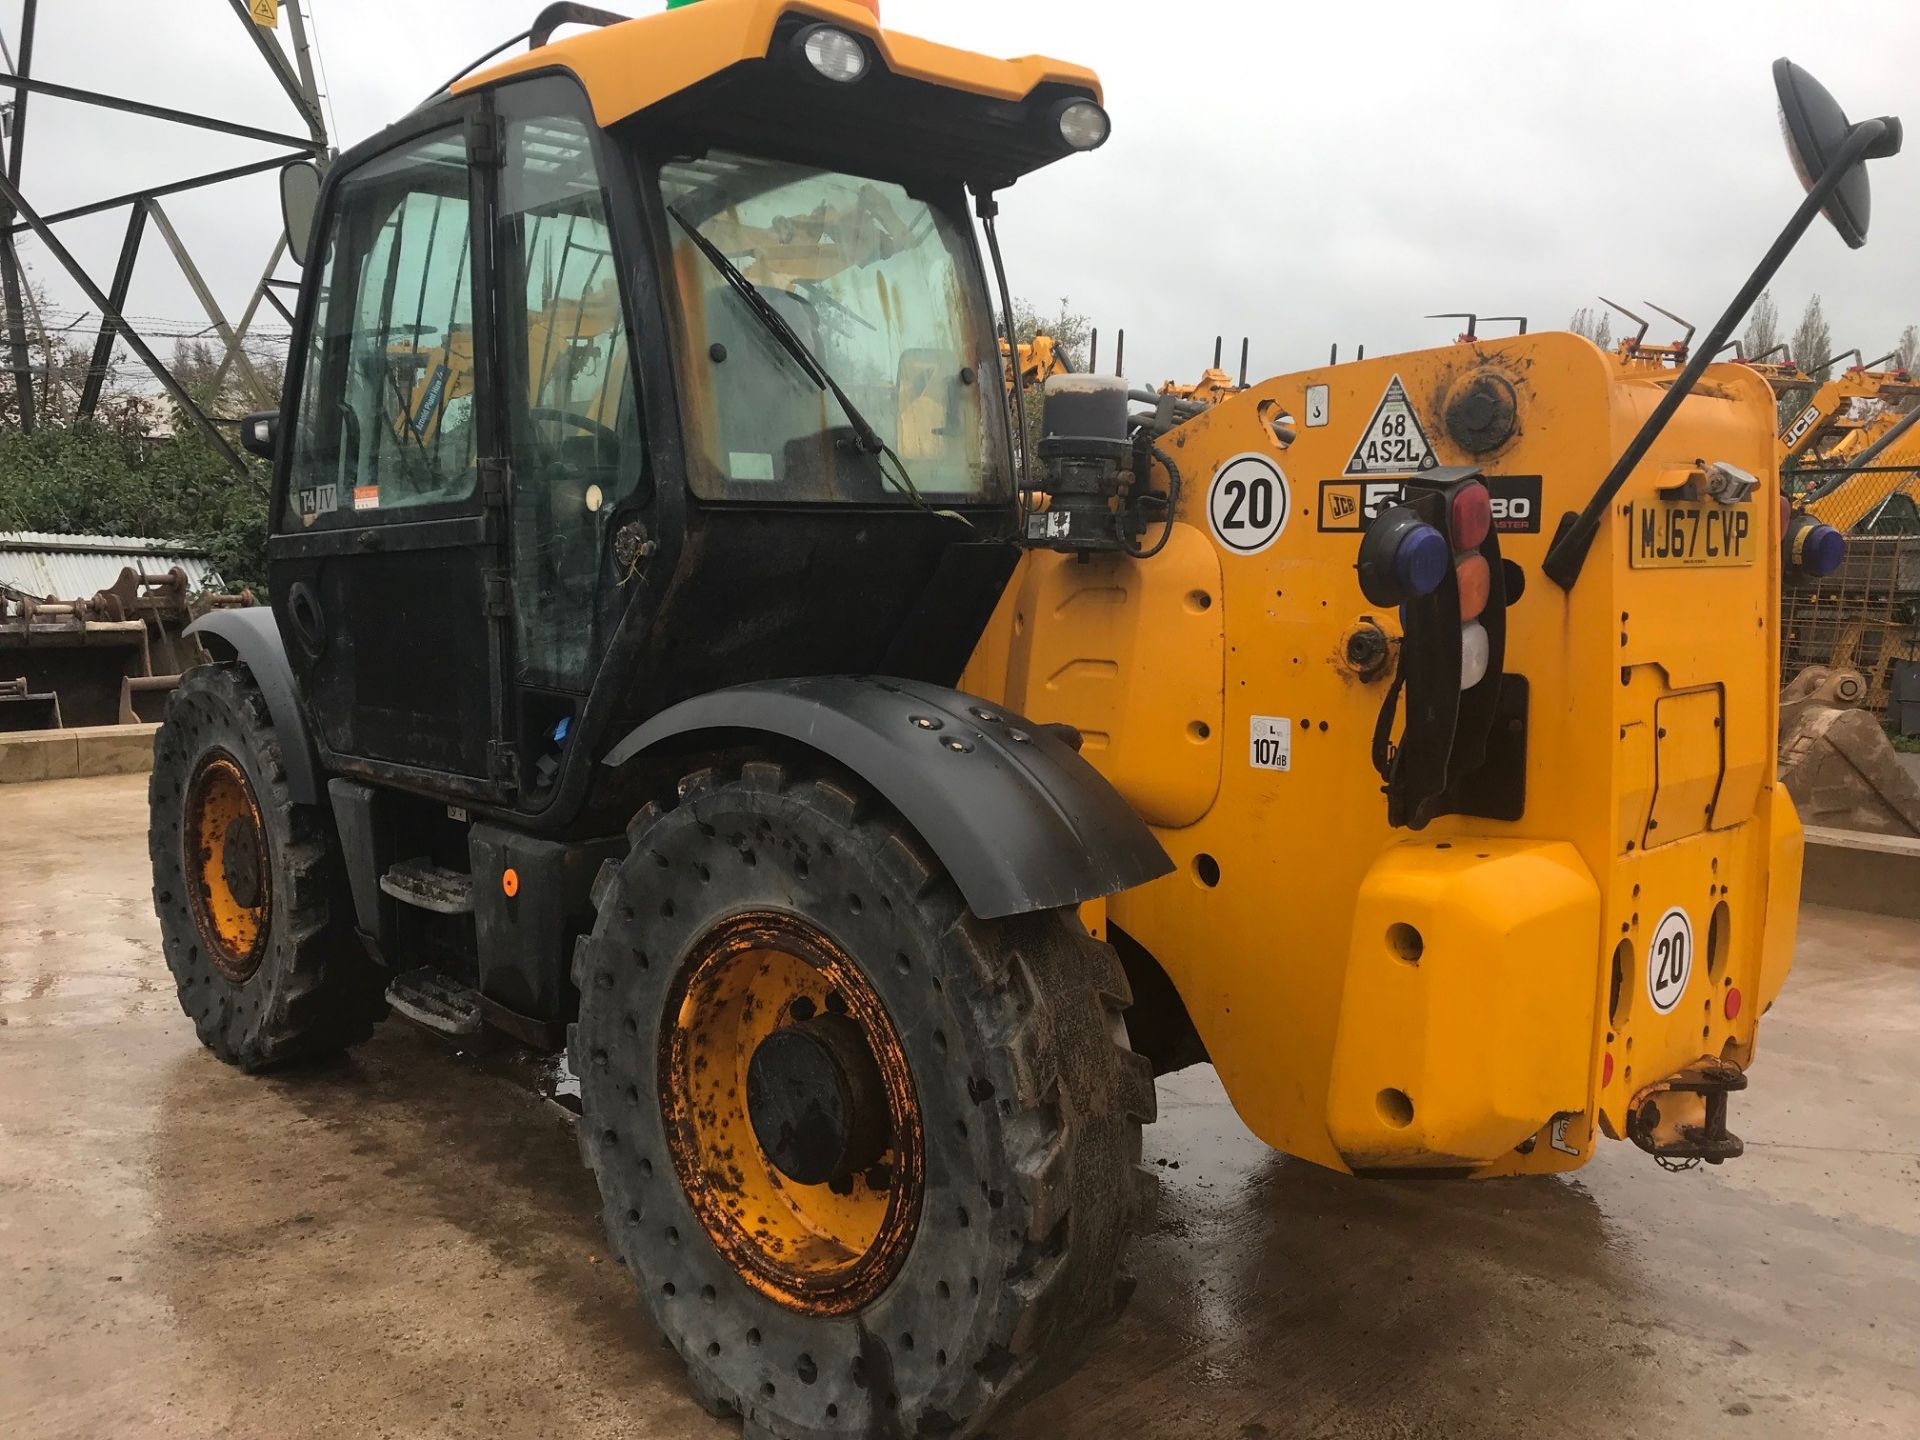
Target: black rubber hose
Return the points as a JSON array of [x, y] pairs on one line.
[[1172, 501]]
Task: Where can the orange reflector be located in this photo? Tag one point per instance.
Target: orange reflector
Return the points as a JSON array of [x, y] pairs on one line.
[[1474, 579], [510, 882]]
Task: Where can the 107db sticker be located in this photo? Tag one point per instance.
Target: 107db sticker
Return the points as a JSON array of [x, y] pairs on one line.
[[1272, 743], [1247, 504], [1670, 960]]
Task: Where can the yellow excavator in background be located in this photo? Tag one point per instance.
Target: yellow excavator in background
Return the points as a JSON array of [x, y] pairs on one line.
[[1845, 412], [1214, 384], [1040, 359]]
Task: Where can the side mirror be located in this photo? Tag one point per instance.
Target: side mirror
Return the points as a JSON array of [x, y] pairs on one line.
[[299, 201], [1815, 128], [260, 433]]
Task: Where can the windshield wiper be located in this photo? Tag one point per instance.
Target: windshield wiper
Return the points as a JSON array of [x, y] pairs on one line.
[[776, 324]]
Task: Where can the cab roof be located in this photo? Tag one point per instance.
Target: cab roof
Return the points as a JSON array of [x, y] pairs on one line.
[[627, 67]]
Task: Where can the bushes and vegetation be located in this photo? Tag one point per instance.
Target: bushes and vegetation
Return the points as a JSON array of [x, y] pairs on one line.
[[139, 466]]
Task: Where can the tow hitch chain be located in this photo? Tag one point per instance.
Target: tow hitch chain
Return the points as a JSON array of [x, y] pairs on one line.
[[1682, 1119]]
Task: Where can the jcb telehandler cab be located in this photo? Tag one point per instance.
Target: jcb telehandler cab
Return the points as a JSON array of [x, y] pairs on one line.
[[642, 488]]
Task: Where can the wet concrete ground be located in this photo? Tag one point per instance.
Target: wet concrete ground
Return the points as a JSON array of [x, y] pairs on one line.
[[404, 1243]]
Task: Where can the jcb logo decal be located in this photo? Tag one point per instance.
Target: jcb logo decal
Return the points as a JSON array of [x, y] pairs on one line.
[[1801, 424], [1355, 504]]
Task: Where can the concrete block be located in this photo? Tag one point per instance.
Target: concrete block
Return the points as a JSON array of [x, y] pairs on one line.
[[1856, 870], [114, 749], [30, 755]]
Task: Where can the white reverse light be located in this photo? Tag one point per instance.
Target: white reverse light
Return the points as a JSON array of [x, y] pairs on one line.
[[1475, 650], [835, 54], [1084, 125]]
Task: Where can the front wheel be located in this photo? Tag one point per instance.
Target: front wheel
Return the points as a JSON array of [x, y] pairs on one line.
[[248, 887], [872, 1160]]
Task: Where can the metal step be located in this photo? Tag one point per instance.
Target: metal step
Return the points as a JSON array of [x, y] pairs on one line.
[[436, 1000], [427, 886]]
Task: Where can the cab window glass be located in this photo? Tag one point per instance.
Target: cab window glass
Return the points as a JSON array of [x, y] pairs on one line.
[[576, 456], [876, 281], [386, 418]]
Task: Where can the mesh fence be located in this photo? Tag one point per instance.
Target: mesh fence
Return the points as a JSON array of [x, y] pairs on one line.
[[1866, 615]]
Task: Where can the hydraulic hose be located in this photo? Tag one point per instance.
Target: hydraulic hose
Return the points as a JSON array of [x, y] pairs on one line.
[[1127, 542]]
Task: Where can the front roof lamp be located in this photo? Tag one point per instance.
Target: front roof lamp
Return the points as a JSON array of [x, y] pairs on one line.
[[832, 54], [1082, 124]]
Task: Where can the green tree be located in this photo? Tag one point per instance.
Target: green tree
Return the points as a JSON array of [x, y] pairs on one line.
[[1813, 342], [1763, 327], [1596, 325], [1907, 353], [1812, 348]]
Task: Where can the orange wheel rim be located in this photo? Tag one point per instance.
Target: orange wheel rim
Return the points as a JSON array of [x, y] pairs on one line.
[[227, 865], [768, 985]]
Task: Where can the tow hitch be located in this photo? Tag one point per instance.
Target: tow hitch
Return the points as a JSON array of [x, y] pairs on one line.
[[1682, 1119]]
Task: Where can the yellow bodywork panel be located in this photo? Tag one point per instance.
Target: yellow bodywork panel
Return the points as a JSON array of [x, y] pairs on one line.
[[1686, 765], [1530, 1021], [1075, 637], [1450, 996], [625, 68]]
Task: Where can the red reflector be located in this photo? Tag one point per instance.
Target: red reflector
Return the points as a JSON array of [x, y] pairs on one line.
[[1733, 1005], [1606, 1069], [1472, 517], [1474, 578]]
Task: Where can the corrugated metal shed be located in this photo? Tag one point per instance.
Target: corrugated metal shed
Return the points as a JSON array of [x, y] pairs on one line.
[[71, 567]]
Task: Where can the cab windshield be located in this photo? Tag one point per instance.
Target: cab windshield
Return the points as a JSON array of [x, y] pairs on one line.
[[875, 283]]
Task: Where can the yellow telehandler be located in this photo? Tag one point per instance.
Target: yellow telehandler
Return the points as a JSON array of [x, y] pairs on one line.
[[714, 695]]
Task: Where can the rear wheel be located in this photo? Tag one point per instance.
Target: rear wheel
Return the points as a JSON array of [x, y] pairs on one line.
[[247, 885], [872, 1160]]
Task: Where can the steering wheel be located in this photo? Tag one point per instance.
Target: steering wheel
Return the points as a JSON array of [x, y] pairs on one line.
[[605, 433]]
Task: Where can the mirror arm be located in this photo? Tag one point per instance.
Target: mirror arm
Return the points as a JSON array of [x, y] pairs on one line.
[[1568, 553]]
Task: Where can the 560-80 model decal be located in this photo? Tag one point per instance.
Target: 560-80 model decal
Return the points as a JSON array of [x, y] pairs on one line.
[[1353, 505]]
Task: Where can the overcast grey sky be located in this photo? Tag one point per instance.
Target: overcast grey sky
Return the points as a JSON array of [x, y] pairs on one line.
[[1300, 173]]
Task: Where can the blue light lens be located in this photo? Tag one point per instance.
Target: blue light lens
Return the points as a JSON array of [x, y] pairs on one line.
[[1823, 550], [1421, 561]]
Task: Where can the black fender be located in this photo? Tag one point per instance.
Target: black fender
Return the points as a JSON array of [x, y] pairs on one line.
[[255, 641], [1019, 820]]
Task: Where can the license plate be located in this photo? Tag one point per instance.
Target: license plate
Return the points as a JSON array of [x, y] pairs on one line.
[[1689, 536]]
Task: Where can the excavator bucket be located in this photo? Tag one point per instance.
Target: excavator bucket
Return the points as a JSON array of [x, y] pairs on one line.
[[1837, 762]]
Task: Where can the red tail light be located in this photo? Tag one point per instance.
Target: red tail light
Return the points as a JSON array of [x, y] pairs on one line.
[[1471, 517]]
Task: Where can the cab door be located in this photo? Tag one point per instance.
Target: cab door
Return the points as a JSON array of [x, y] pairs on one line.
[[386, 557]]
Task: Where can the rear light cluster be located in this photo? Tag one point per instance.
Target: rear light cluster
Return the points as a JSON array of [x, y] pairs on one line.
[[1406, 558], [1470, 518], [1449, 675]]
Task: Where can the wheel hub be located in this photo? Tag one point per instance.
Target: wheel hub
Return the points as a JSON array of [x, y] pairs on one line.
[[791, 1116], [240, 861], [816, 1099], [224, 844]]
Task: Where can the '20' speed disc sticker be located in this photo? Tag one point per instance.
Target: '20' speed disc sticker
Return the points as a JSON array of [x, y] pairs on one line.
[[1247, 504], [1670, 960]]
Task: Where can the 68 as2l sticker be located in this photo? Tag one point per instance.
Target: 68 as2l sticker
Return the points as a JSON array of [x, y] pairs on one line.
[[1670, 960], [1247, 504]]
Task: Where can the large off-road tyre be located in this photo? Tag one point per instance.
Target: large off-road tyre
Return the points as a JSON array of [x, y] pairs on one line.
[[872, 1161], [248, 886]]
